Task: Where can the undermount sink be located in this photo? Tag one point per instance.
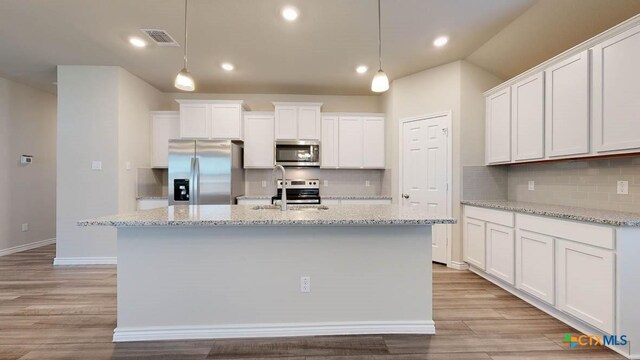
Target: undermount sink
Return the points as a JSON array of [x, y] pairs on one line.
[[292, 207]]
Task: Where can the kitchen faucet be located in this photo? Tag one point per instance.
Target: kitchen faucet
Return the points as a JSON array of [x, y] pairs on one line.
[[283, 199]]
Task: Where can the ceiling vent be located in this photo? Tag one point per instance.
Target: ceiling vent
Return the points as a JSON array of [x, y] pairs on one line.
[[160, 37]]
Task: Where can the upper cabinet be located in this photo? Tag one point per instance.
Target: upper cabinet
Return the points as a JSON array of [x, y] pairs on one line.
[[297, 121], [211, 119], [498, 127], [329, 142], [165, 125], [258, 140], [567, 106], [582, 103], [616, 93], [527, 118], [361, 143]]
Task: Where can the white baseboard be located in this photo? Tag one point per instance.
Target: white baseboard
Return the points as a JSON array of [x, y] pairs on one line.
[[272, 330], [33, 245], [85, 261], [459, 265]]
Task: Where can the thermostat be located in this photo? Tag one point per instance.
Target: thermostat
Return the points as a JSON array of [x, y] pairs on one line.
[[26, 159]]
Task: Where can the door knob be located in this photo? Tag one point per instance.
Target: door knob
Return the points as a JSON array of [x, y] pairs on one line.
[[406, 196]]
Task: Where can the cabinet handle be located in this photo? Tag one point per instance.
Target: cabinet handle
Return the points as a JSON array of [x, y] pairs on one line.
[[406, 196]]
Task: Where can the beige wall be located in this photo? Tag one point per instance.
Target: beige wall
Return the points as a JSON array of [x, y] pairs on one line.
[[263, 102], [103, 115], [27, 126]]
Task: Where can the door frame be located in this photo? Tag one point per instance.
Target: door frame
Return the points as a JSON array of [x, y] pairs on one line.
[[448, 124]]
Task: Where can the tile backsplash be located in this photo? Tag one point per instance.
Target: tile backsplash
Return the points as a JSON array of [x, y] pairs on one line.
[[339, 182], [484, 183], [583, 183]]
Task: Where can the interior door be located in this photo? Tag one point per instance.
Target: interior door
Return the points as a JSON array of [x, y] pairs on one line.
[[424, 173]]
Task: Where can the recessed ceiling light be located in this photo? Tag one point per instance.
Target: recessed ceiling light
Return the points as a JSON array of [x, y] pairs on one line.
[[441, 41], [290, 13], [137, 42], [362, 69], [227, 66]]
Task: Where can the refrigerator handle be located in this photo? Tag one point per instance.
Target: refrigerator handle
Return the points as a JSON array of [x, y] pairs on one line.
[[196, 181], [192, 186]]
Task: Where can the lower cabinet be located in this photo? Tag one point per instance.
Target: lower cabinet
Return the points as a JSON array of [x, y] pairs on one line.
[[535, 265], [254, 201], [250, 201], [474, 242], [586, 279], [500, 252]]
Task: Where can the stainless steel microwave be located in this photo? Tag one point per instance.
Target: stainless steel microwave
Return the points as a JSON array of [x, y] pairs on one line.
[[297, 153]]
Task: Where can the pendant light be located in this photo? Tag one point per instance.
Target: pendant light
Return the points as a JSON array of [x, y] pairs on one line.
[[380, 81], [184, 80]]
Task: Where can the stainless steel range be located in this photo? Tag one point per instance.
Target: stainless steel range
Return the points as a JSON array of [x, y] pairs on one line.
[[299, 191]]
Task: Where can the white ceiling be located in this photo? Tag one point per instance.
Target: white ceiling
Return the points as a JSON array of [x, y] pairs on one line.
[[317, 54]]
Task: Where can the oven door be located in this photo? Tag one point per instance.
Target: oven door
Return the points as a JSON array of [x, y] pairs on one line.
[[297, 153]]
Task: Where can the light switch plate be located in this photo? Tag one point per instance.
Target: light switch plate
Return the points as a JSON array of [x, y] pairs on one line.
[[127, 165], [367, 183], [326, 183], [532, 185], [264, 183], [96, 165], [623, 187]]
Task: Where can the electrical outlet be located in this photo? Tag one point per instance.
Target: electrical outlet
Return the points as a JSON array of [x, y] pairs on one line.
[[623, 187], [25, 227], [96, 165], [264, 183], [326, 183], [305, 284], [367, 183], [532, 185]]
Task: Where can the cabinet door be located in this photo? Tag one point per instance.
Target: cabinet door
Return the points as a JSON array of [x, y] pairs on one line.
[[350, 143], [535, 265], [164, 126], [373, 143], [226, 121], [258, 144], [474, 242], [286, 122], [500, 252], [195, 121], [309, 123], [329, 142], [586, 279], [567, 106], [616, 92], [498, 127], [527, 118]]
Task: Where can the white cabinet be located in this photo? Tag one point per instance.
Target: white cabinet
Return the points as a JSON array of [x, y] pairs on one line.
[[616, 93], [373, 143], [254, 201], [297, 121], [586, 279], [535, 271], [498, 127], [527, 118], [258, 140], [351, 142], [474, 242], [329, 142], [365, 201], [165, 125], [500, 252], [567, 106], [195, 121], [361, 142], [211, 119]]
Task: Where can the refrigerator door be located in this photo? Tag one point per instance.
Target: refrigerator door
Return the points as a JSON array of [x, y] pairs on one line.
[[182, 155], [212, 172]]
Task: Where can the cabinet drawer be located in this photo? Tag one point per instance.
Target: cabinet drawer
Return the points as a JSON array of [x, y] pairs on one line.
[[489, 215], [595, 235]]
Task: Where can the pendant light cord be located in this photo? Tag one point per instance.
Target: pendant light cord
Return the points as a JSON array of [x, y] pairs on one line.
[[186, 34], [379, 40]]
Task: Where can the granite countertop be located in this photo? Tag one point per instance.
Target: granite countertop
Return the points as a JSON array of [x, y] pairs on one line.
[[225, 215], [326, 197], [607, 217]]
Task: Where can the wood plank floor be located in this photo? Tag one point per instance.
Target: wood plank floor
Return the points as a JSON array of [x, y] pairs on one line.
[[70, 313]]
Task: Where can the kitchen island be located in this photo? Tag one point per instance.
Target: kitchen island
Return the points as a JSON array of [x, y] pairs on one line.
[[220, 271]]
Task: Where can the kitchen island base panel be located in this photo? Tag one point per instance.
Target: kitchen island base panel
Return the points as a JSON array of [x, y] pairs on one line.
[[226, 282]]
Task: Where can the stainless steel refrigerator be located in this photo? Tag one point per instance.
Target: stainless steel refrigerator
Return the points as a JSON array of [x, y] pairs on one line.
[[205, 172]]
